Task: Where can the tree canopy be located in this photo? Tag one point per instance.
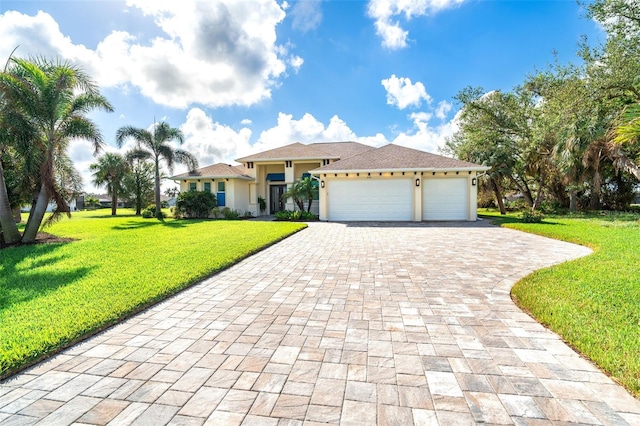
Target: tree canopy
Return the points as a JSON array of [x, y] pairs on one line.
[[567, 136]]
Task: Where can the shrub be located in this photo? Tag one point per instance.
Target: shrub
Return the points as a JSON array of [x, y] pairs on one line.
[[195, 204], [299, 215], [150, 212], [532, 216], [230, 214]]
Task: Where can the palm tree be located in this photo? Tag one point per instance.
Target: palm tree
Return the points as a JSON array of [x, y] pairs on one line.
[[301, 190], [110, 171], [308, 189], [155, 145], [50, 99]]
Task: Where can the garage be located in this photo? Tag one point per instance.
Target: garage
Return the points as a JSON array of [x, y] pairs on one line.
[[445, 199], [370, 199]]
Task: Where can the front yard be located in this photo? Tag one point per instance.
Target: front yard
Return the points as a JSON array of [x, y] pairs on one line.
[[592, 302], [54, 294]]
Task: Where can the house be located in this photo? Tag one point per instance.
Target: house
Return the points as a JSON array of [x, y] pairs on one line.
[[230, 184], [356, 182]]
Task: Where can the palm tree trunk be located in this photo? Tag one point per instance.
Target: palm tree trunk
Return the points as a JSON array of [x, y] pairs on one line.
[[158, 210], [114, 202], [10, 232], [596, 191], [573, 200], [36, 216], [310, 202]]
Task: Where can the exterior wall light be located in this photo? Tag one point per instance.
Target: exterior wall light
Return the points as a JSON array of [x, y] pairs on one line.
[[474, 181], [418, 182], [321, 184]]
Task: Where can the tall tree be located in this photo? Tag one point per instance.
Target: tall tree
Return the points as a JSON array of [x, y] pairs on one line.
[[51, 100], [110, 171], [155, 145]]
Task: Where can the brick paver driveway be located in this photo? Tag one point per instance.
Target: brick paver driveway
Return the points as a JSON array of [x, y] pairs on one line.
[[352, 324]]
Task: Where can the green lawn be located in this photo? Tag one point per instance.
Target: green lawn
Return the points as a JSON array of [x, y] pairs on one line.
[[592, 302], [54, 294]]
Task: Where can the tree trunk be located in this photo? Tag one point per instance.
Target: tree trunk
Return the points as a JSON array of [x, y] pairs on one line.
[[8, 225], [114, 202], [310, 202], [138, 198], [524, 190], [158, 209], [498, 193], [17, 214], [36, 216], [594, 201], [538, 199], [573, 200]]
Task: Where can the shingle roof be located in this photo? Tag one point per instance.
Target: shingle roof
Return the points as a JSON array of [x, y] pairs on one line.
[[343, 149], [218, 170], [395, 157], [315, 151]]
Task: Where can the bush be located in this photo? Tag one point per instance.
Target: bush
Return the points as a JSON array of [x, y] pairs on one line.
[[532, 216], [195, 204], [149, 213], [299, 215], [230, 214]]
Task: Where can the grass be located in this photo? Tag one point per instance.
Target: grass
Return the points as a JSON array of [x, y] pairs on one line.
[[52, 295], [592, 302]]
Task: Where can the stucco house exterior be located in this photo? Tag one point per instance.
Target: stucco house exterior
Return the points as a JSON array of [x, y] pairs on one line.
[[356, 182]]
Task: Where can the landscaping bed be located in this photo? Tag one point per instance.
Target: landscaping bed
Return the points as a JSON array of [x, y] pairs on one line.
[[52, 295], [592, 302]]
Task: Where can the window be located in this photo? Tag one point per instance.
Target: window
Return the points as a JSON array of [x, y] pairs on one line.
[[220, 196], [250, 165], [288, 163], [192, 186], [207, 186]]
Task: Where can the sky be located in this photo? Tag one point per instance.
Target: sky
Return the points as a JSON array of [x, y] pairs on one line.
[[243, 76]]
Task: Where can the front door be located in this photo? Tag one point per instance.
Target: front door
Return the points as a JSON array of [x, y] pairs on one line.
[[276, 202]]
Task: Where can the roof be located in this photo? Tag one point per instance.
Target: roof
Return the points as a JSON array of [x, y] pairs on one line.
[[216, 171], [314, 151], [395, 157]]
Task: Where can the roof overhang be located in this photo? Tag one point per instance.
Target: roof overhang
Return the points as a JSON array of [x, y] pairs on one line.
[[192, 177], [273, 160], [413, 170]]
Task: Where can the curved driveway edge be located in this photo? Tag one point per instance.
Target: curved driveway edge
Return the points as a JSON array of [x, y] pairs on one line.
[[359, 323]]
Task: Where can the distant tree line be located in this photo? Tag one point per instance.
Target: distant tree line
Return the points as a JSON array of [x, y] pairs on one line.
[[567, 137]]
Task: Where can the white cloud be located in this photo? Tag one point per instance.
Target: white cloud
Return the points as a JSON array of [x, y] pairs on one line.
[[443, 109], [211, 53], [384, 13], [402, 93], [246, 122], [306, 15], [426, 137]]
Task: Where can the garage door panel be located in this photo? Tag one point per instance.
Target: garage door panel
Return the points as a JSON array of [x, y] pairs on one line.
[[370, 199], [445, 199]]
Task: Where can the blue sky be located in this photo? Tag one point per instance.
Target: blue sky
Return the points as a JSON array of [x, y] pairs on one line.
[[244, 76]]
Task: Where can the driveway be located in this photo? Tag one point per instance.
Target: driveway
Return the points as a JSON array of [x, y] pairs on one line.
[[341, 323]]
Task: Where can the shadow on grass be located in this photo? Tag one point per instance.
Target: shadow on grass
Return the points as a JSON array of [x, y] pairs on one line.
[[139, 224], [502, 220], [20, 284]]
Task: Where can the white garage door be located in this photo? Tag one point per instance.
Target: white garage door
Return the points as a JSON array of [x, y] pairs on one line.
[[445, 198], [370, 199]]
